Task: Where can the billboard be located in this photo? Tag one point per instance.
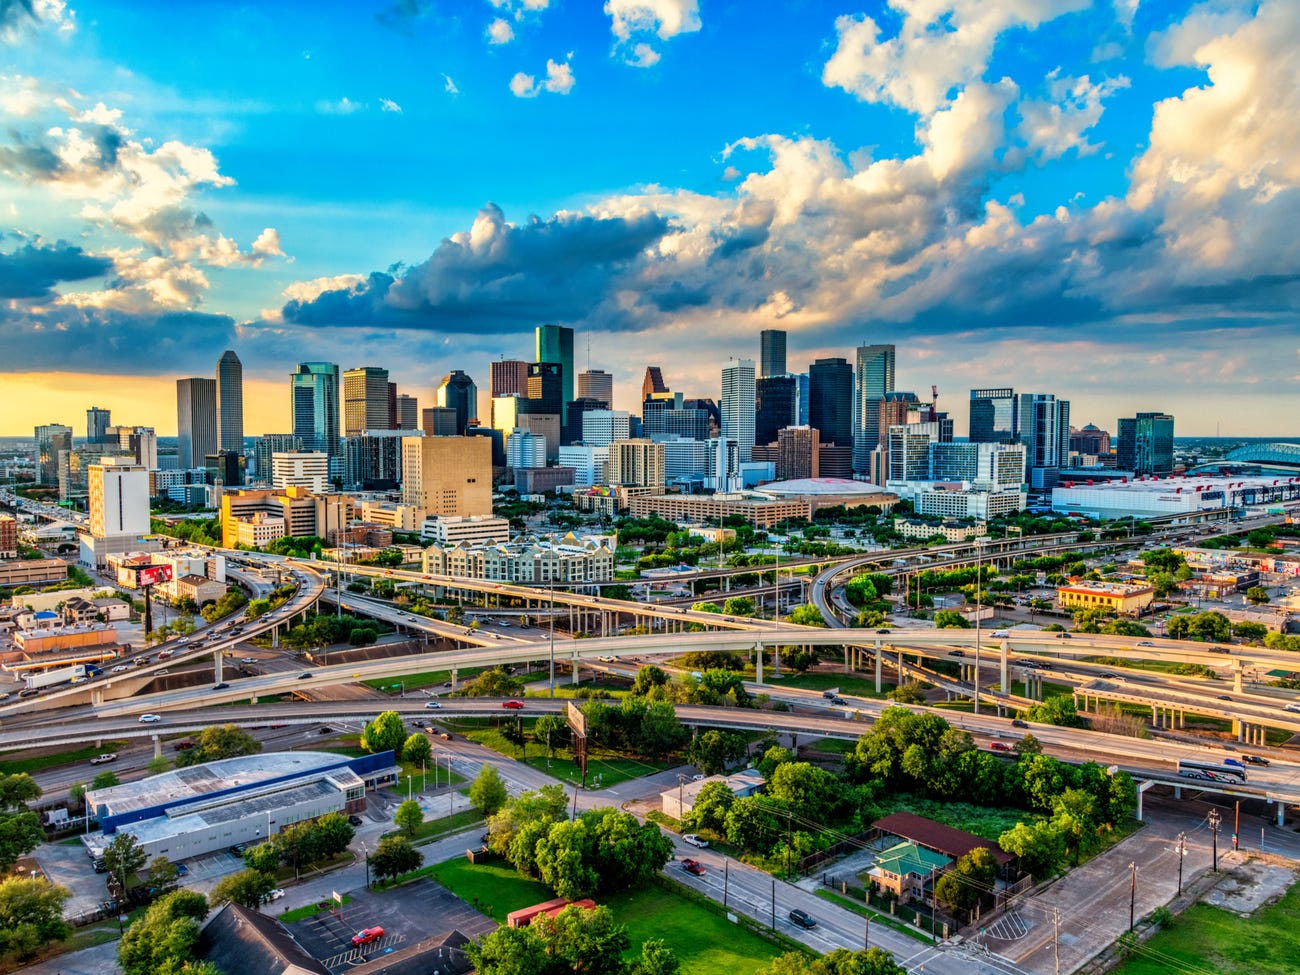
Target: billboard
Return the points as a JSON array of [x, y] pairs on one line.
[[577, 720], [148, 575]]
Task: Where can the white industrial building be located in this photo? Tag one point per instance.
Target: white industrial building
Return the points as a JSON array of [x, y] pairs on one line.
[[1152, 497]]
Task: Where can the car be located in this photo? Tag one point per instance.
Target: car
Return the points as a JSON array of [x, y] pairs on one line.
[[693, 866], [182, 870], [161, 673], [803, 918], [304, 675], [366, 936], [165, 655], [220, 686], [238, 849], [326, 730], [884, 631], [1145, 643], [1017, 723], [513, 705], [1107, 675], [447, 683], [433, 704], [445, 735], [1001, 634], [1235, 763], [1254, 760], [838, 701], [150, 718], [956, 653], [694, 840], [119, 669], [102, 759], [247, 660], [354, 820], [273, 895], [999, 746], [1219, 650], [184, 745], [1063, 635], [1224, 697], [100, 866], [1294, 708]]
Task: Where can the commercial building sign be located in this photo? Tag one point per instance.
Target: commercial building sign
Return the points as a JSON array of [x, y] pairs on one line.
[[148, 575]]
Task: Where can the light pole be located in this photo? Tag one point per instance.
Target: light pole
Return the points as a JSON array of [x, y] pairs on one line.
[[338, 562], [1214, 829], [366, 852], [551, 589], [979, 573]]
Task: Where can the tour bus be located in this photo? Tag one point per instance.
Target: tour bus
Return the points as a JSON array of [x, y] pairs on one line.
[[1209, 770]]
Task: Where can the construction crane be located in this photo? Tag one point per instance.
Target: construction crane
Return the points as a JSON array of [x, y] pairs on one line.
[[934, 403]]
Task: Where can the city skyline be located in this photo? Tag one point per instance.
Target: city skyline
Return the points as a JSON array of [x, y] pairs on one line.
[[1054, 202]]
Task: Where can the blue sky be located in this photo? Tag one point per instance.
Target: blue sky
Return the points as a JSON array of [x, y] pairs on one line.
[[1096, 199]]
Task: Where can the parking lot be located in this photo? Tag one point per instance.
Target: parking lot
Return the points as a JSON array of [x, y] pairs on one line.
[[424, 909]]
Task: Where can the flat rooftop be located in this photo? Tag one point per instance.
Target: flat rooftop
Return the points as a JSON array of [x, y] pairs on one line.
[[1170, 485]]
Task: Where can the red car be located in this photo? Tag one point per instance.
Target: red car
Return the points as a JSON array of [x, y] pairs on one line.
[[1000, 746], [693, 866], [513, 705], [366, 935]]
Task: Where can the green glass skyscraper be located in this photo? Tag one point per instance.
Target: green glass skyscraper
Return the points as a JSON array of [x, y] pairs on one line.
[[555, 344]]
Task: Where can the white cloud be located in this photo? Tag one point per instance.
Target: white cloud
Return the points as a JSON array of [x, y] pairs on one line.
[[267, 243], [1053, 126], [309, 290], [559, 80], [19, 18], [941, 45], [633, 22], [1176, 45], [523, 85], [21, 95], [500, 32], [449, 86], [344, 106], [388, 105]]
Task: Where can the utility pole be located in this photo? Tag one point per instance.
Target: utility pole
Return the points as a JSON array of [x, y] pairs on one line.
[[1132, 892], [1214, 828], [1236, 826], [726, 881], [1182, 848], [1056, 939], [773, 903]]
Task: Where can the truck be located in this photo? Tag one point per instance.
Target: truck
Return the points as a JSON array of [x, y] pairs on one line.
[[104, 759], [61, 675]]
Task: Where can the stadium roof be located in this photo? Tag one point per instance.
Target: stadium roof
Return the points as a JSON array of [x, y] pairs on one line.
[[821, 486]]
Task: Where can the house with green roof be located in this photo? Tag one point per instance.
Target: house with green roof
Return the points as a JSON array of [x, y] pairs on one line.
[[906, 869]]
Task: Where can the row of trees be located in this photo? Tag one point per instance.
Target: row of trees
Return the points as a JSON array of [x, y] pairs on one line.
[[387, 732], [165, 940], [574, 940], [601, 851]]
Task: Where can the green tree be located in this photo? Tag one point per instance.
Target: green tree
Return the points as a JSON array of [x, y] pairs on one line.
[[166, 937], [123, 856], [713, 750], [395, 856], [77, 795], [807, 615], [487, 793], [709, 811], [1028, 745], [738, 606], [409, 817], [586, 941], [968, 882], [550, 728], [1178, 628], [841, 961], [1164, 583], [417, 749], [772, 757], [546, 805], [656, 959], [1075, 814], [946, 619], [161, 873], [16, 791], [908, 692], [105, 780], [1249, 631], [806, 787], [1059, 710], [493, 683], [333, 833], [247, 888], [217, 742], [647, 679], [31, 916], [385, 733], [1257, 595], [265, 857], [1040, 847], [158, 764], [564, 860]]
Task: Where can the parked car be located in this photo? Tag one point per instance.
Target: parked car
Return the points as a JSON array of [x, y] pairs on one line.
[[273, 895], [693, 866], [100, 866], [803, 918], [182, 870], [694, 840], [184, 745], [513, 705], [354, 820], [366, 936]]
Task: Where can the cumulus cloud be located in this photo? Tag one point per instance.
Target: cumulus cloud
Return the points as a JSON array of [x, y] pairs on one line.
[[19, 18], [500, 31], [1051, 127], [634, 22], [559, 80], [31, 270]]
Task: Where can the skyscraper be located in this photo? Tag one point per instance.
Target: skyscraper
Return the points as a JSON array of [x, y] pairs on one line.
[[315, 391], [97, 423], [365, 400], [458, 392], [653, 386], [230, 403], [830, 401], [777, 407], [772, 353], [1146, 444], [874, 377], [50, 439], [408, 412], [509, 378], [992, 416], [739, 406], [596, 384], [196, 421], [1043, 424], [439, 421], [555, 344]]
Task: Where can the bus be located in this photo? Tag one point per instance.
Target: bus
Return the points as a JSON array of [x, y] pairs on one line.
[[1209, 770]]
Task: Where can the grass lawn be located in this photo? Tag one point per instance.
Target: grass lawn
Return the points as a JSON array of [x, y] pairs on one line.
[[433, 828], [311, 910], [427, 678], [847, 683], [985, 821], [703, 940], [1207, 939], [611, 769], [35, 763]]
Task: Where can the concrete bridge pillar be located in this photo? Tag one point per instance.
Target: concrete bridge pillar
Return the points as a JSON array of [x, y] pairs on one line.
[[575, 663], [275, 637], [1240, 728], [1236, 678], [217, 657], [157, 746], [1006, 688], [454, 675], [758, 666], [879, 656], [776, 662], [96, 697], [847, 651], [1155, 716], [1281, 813]]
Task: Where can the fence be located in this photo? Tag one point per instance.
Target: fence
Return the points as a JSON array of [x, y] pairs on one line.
[[814, 860]]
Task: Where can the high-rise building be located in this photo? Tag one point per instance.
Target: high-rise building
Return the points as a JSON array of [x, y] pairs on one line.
[[596, 384], [830, 400], [315, 390], [458, 392], [545, 389], [525, 450], [601, 427], [671, 418], [509, 378], [555, 345], [230, 403], [226, 467], [97, 423], [392, 407], [739, 406], [909, 451], [898, 409], [439, 421], [196, 420], [118, 490], [873, 378], [1091, 440], [50, 439], [777, 407], [797, 453], [636, 463], [1146, 444], [447, 475], [8, 537], [307, 469], [653, 386], [142, 443], [272, 443], [365, 400], [408, 413], [374, 459], [992, 416], [578, 410], [1043, 425], [771, 353]]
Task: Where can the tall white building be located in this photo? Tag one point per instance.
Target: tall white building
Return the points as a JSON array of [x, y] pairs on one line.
[[587, 461], [525, 450], [738, 405], [603, 427], [873, 377], [300, 469], [119, 497]]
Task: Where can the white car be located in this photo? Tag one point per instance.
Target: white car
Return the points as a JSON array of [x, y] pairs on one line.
[[120, 669], [694, 840], [150, 718], [433, 704], [274, 895]]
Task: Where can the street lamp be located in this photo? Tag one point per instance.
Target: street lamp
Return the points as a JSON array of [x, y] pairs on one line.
[[979, 575], [365, 851], [551, 590]]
